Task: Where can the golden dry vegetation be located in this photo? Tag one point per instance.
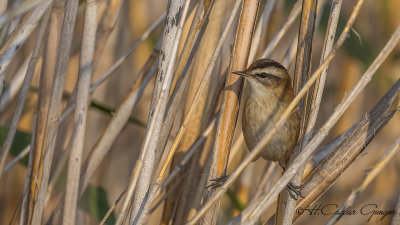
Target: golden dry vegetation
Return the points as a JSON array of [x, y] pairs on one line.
[[130, 107]]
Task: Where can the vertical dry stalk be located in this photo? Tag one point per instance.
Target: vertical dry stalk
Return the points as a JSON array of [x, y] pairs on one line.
[[202, 58], [320, 83], [24, 207], [192, 42], [25, 216], [198, 19], [62, 59], [176, 15], [175, 97], [81, 109], [192, 35], [286, 204], [193, 106], [49, 56], [304, 46], [316, 96], [230, 101], [303, 61]]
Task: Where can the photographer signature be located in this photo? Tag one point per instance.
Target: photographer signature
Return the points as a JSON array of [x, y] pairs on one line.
[[369, 210]]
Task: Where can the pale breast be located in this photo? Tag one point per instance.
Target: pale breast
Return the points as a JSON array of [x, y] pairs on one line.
[[258, 119]]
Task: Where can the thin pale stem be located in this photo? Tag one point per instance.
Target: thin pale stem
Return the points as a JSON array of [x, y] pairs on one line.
[[51, 130], [279, 35], [261, 26], [81, 110]]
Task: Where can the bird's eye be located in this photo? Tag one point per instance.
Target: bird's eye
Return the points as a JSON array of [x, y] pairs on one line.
[[262, 75]]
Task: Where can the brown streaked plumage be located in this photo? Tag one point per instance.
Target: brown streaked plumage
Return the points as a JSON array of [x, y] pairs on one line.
[[269, 95], [263, 63]]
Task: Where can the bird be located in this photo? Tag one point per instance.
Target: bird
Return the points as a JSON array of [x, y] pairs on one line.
[[270, 92]]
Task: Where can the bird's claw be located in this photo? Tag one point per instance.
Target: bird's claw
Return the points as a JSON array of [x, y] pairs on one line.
[[217, 182], [294, 191]]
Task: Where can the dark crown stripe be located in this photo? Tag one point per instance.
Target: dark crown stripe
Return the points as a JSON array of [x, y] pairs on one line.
[[263, 63]]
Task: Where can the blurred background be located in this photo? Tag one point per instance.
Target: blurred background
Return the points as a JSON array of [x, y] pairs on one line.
[[372, 29]]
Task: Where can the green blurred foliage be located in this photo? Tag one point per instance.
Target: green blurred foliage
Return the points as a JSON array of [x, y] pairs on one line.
[[356, 45], [94, 201], [21, 141], [235, 200]]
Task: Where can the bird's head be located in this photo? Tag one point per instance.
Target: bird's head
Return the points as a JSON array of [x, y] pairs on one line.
[[265, 73]]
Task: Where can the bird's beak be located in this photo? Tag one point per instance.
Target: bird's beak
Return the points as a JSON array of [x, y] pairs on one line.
[[241, 73]]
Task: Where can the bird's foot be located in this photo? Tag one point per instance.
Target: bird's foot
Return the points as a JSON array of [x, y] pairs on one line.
[[217, 182], [294, 191]]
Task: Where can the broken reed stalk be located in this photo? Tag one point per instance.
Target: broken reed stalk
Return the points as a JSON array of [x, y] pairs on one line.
[[350, 146], [371, 175]]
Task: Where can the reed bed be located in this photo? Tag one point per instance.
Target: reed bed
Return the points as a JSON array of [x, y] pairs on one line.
[[124, 112]]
